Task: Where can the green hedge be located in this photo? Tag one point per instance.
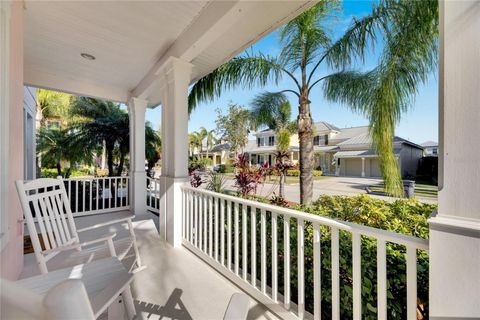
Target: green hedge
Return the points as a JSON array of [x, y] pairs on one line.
[[402, 216], [296, 173]]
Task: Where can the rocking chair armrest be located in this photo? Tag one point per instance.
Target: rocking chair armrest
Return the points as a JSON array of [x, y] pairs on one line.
[[120, 218], [107, 238]]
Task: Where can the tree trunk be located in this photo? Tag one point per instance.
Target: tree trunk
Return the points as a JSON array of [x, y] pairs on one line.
[[59, 169], [305, 136], [120, 164], [110, 159]]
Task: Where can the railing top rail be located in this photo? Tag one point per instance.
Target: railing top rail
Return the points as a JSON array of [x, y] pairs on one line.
[[95, 178], [385, 235]]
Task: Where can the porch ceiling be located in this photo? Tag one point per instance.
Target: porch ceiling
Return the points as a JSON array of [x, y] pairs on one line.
[[131, 40]]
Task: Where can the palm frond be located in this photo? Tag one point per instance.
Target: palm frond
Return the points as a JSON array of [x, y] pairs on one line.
[[270, 109], [245, 71]]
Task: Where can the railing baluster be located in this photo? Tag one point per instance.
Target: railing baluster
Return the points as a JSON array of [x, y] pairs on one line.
[[335, 275], [91, 196], [149, 192], [200, 221], [381, 280], [244, 241], [411, 282], [205, 223], [116, 192], [236, 238], [112, 193], [357, 275], [103, 194], [184, 213], [215, 204], [83, 195], [76, 196], [274, 258], [210, 226], [128, 191], [229, 235], [301, 271], [317, 287], [96, 194], [222, 232], [192, 213], [263, 251], [253, 244], [286, 262], [197, 224]]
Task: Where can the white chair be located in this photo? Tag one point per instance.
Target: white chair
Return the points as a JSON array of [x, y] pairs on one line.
[[238, 307], [79, 292], [46, 201]]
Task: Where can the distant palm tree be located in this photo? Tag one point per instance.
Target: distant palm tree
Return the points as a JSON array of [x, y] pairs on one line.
[[153, 148], [274, 111], [99, 121], [210, 140], [57, 146], [52, 104]]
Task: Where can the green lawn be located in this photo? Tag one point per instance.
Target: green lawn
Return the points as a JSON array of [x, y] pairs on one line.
[[421, 190]]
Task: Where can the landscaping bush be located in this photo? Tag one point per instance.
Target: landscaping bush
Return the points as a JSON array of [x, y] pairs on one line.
[[296, 173], [402, 216], [225, 168]]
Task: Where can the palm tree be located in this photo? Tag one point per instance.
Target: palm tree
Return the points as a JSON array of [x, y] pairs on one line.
[[52, 104], [410, 30], [410, 33], [195, 142], [100, 121], [153, 148], [274, 111], [58, 146], [306, 46], [210, 140]]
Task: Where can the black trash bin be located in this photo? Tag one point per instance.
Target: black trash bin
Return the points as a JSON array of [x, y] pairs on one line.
[[409, 187]]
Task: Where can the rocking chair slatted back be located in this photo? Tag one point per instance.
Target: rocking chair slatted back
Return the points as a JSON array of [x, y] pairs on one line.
[[46, 201]]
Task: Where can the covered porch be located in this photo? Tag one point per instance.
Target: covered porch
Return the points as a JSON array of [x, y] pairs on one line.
[[210, 245]]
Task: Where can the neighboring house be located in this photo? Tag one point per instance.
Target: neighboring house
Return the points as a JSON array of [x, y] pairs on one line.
[[340, 151], [29, 132], [430, 148], [264, 147]]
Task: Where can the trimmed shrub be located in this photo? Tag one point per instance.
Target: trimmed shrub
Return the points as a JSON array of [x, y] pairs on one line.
[[296, 173]]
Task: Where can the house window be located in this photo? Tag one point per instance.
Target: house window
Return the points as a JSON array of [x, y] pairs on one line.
[[316, 140], [258, 142], [434, 151], [320, 140], [326, 139], [271, 140]]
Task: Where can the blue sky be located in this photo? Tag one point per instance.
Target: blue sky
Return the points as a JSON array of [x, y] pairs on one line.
[[419, 124]]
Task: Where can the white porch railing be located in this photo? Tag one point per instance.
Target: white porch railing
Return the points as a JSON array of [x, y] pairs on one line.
[[218, 228], [97, 195], [153, 194]]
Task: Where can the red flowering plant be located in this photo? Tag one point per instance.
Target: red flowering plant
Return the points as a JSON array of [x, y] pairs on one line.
[[247, 177]]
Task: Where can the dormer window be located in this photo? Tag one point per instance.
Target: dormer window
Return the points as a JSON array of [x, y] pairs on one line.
[[320, 140], [266, 141]]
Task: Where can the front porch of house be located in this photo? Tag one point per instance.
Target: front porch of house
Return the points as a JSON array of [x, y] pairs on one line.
[[210, 245], [174, 278]]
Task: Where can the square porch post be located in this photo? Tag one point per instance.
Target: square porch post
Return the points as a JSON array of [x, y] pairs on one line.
[[174, 80], [138, 176], [455, 231]]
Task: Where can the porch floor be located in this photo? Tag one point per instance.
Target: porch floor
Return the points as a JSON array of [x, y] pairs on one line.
[[173, 276]]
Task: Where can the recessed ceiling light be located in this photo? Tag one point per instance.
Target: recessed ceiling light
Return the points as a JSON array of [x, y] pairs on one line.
[[87, 56]]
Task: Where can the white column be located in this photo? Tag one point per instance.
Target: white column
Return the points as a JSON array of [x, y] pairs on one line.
[[455, 230], [138, 176], [363, 167], [174, 79]]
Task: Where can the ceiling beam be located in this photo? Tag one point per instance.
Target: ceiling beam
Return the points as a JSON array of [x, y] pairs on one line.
[[45, 80]]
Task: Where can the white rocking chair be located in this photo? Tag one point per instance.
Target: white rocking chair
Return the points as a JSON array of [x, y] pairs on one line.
[[46, 201], [79, 292]]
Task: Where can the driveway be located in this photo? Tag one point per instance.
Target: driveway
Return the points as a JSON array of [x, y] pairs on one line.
[[346, 186]]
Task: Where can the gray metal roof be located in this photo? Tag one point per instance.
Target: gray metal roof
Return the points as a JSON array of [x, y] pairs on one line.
[[370, 153], [427, 144], [348, 133], [221, 147], [325, 126]]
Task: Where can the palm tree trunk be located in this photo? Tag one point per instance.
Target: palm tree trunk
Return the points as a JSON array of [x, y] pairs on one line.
[[305, 136], [120, 164], [59, 169], [110, 160]]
